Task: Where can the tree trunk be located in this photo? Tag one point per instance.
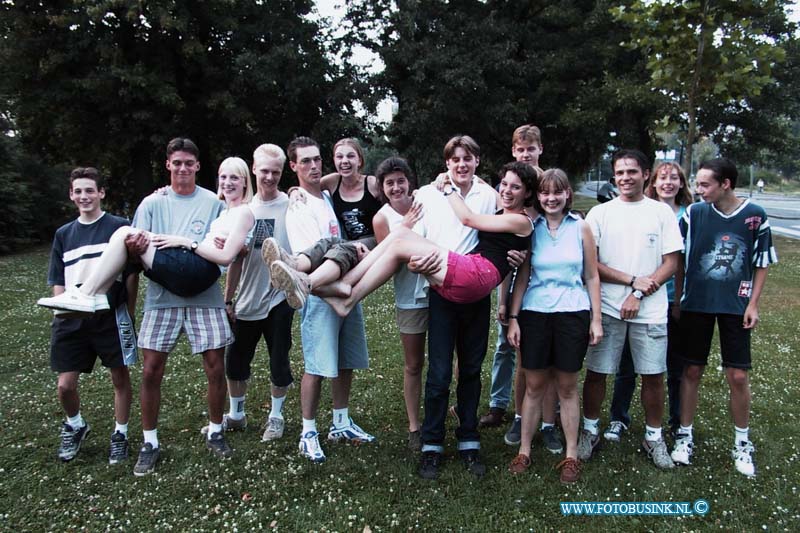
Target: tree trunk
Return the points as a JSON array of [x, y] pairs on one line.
[[693, 93]]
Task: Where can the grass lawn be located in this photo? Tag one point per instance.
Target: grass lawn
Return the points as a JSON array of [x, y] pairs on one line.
[[375, 487]]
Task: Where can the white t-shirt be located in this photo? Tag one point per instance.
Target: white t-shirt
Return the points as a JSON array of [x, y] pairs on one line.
[[633, 237], [440, 222], [306, 223]]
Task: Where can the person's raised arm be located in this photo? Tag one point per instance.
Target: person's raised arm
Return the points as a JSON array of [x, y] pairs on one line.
[[328, 182], [506, 223]]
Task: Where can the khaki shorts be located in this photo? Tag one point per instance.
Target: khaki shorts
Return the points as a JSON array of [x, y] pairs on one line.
[[412, 321]]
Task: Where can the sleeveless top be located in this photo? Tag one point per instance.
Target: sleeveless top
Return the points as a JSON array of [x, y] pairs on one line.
[[356, 217], [495, 247], [556, 282], [410, 289]]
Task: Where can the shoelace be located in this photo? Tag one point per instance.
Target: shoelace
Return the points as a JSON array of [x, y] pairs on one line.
[[67, 437], [118, 446]]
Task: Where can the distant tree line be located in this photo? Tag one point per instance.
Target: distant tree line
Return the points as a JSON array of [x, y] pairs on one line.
[[108, 82]]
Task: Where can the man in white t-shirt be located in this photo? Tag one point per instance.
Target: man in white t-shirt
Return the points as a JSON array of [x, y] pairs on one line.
[[332, 346], [639, 245]]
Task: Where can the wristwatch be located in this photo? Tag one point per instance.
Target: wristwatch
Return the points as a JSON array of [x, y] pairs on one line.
[[638, 294], [193, 246]]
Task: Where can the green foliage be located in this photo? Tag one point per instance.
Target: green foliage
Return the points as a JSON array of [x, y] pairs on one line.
[[485, 67], [109, 82]]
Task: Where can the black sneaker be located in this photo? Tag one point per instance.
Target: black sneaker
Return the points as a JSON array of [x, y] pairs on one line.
[[148, 457], [71, 440], [472, 461], [429, 465], [514, 434], [217, 445], [119, 448]]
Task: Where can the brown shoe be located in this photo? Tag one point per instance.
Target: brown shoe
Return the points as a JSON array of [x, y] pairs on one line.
[[493, 418], [519, 464], [570, 470]]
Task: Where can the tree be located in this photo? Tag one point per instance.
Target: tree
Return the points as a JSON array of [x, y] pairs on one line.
[[708, 54], [107, 83], [484, 67]]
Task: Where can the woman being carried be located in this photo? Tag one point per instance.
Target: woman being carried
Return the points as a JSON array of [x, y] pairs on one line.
[[179, 264], [464, 278]]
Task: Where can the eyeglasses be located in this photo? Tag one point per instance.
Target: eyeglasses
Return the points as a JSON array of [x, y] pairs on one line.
[[308, 160]]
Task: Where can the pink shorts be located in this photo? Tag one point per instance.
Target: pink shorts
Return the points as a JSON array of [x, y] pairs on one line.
[[469, 278]]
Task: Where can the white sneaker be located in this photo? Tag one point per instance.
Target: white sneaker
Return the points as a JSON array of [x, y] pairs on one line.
[[274, 429], [657, 451], [293, 283], [73, 300], [229, 424], [743, 458], [310, 448], [614, 431], [684, 448]]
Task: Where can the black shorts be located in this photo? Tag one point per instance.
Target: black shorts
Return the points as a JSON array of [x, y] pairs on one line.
[[182, 272], [276, 329], [556, 340], [75, 344], [698, 331]]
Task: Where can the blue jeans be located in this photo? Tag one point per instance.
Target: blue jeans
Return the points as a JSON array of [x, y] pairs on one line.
[[503, 364], [625, 382], [465, 328]]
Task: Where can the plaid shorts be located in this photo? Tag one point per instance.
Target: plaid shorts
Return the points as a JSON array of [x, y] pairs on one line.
[[207, 328]]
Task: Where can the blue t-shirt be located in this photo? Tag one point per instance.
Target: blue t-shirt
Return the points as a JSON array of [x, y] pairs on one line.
[[722, 253], [190, 216]]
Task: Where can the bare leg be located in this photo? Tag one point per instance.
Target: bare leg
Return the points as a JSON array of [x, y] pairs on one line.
[[567, 387], [414, 352], [519, 386], [112, 262], [653, 399], [150, 393], [327, 272], [237, 388], [391, 257], [340, 388], [214, 365], [549, 401], [535, 385], [594, 392], [690, 385], [310, 387], [68, 392], [739, 383], [121, 379]]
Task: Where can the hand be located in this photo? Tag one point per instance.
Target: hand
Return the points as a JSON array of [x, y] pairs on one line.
[[516, 257], [675, 309], [425, 265], [630, 307], [219, 242], [512, 334], [646, 284], [441, 181], [231, 312], [595, 332], [162, 191], [501, 314], [413, 216], [136, 244], [361, 250], [297, 196], [171, 241], [750, 317]]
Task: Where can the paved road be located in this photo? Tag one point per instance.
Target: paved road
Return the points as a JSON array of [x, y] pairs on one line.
[[783, 211]]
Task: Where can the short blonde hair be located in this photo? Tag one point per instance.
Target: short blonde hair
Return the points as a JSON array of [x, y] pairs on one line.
[[240, 168], [269, 150]]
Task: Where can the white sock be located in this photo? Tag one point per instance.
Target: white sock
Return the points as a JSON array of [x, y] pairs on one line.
[[309, 425], [237, 408], [76, 422], [517, 417], [546, 425], [341, 418], [651, 433], [741, 435], [122, 428], [213, 428], [277, 407], [151, 436], [686, 430], [591, 425]]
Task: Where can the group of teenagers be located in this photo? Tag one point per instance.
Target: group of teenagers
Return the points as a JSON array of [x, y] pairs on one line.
[[635, 288]]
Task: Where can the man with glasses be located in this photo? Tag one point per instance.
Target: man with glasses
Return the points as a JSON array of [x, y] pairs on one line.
[[332, 347]]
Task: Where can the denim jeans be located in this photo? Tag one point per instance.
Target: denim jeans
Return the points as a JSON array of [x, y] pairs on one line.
[[503, 364], [625, 382], [465, 328]]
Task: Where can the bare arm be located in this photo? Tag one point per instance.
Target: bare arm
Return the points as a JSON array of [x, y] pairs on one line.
[[505, 223], [502, 300], [58, 289], [520, 286], [231, 283], [381, 226], [329, 181], [591, 277], [132, 289], [751, 312]]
